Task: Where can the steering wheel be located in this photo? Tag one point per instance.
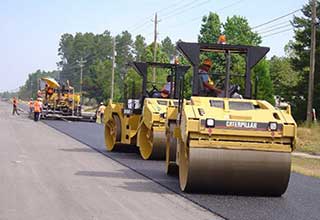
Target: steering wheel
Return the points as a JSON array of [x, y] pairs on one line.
[[233, 89], [153, 91]]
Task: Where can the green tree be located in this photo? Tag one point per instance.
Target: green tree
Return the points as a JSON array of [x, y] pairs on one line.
[[124, 55], [139, 48], [93, 49], [210, 28], [265, 87], [300, 57], [284, 78], [168, 48], [237, 31]]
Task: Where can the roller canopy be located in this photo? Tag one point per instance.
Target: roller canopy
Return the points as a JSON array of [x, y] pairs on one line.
[[192, 52], [142, 69], [51, 82]]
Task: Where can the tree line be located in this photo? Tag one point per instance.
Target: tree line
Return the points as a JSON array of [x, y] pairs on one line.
[[286, 77]]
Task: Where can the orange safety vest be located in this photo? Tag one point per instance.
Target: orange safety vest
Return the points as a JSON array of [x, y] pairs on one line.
[[31, 104], [15, 102], [37, 106]]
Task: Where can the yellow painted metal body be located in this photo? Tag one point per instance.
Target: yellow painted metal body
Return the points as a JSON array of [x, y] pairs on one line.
[[240, 153], [128, 123], [60, 100], [144, 129], [192, 126]]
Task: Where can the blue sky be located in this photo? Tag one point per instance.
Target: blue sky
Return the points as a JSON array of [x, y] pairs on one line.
[[31, 29]]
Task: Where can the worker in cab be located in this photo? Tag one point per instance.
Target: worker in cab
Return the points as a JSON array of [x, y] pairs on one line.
[[30, 107], [50, 91], [166, 89], [37, 109], [101, 109], [206, 83], [15, 106]]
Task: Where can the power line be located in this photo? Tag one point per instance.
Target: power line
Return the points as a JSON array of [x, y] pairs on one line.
[[276, 19], [283, 31], [172, 6], [274, 25], [145, 24], [274, 29], [142, 23], [186, 8], [198, 17]]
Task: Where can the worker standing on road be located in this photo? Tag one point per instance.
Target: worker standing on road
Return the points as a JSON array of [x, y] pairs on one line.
[[101, 111], [37, 109], [30, 107], [15, 106]]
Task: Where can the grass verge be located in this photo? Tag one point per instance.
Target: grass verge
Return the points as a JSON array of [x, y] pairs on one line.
[[306, 166], [309, 139]]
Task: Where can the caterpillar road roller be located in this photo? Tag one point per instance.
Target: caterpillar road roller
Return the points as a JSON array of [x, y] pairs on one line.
[[141, 121], [230, 142]]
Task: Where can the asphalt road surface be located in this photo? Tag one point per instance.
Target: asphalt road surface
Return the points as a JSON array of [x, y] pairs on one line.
[[301, 200], [45, 174]]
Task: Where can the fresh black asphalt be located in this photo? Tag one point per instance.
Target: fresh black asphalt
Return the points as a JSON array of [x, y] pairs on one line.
[[301, 200]]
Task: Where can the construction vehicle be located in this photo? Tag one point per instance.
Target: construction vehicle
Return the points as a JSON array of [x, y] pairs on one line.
[[61, 102], [229, 145], [141, 121]]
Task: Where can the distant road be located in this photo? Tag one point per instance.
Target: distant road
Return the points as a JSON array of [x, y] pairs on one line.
[[301, 201], [46, 175]]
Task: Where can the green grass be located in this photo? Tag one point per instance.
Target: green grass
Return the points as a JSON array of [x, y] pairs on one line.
[[306, 166], [309, 139]]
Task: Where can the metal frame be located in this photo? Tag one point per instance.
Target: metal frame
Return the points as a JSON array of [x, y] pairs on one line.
[[192, 53], [177, 71]]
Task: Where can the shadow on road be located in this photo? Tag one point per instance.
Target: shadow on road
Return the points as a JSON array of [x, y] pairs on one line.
[[78, 150], [122, 174]]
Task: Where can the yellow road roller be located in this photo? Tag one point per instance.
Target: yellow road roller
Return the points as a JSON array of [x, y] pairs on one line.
[[141, 121], [230, 142]]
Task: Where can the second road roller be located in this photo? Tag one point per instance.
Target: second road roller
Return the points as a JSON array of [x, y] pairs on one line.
[[224, 140], [141, 120]]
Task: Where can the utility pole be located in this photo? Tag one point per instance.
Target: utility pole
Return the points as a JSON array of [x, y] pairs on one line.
[[81, 63], [312, 61], [155, 45], [113, 65]]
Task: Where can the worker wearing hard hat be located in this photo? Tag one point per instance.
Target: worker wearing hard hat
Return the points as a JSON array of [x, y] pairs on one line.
[[15, 106], [101, 109], [37, 105], [207, 83]]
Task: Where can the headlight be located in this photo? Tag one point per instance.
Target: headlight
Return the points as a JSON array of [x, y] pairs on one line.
[[210, 123], [163, 115], [127, 111], [273, 126]]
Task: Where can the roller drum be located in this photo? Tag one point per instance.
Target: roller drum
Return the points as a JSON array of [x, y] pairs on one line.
[[112, 132], [152, 143], [224, 171]]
